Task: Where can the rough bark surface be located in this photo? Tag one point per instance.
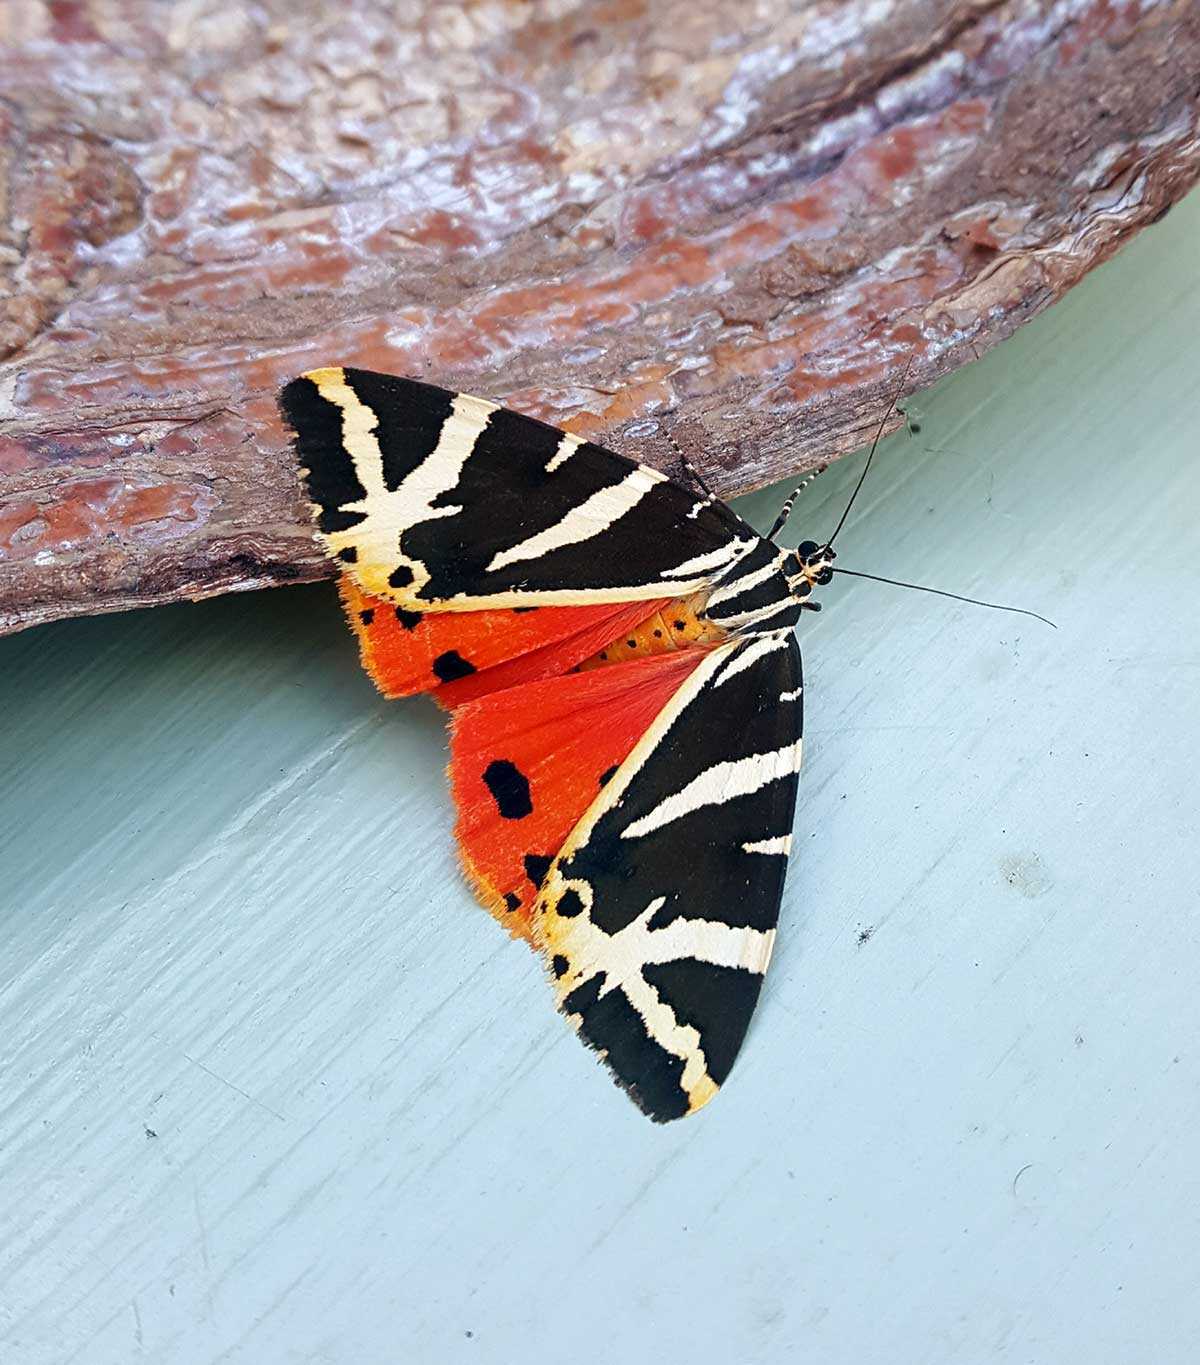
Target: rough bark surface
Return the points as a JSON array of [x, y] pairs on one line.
[[730, 224]]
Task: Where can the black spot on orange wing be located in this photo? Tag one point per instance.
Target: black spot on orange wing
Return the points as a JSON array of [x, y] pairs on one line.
[[451, 665], [410, 620], [611, 1025], [716, 1001], [520, 611], [367, 616], [509, 788], [608, 774], [401, 576], [511, 901], [536, 867]]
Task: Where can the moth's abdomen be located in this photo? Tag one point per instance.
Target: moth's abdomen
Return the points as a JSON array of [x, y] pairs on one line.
[[680, 624]]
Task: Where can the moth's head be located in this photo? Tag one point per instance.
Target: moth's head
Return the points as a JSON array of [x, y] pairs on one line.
[[809, 566]]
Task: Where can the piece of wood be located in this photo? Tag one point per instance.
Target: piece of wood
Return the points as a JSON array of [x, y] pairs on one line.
[[277, 1091], [637, 219]]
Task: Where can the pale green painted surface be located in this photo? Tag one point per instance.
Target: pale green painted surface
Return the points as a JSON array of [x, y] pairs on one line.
[[231, 917]]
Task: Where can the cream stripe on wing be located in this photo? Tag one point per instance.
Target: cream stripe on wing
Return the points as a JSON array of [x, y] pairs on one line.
[[389, 512], [782, 843], [622, 958], [358, 432], [750, 655], [734, 587], [566, 448], [440, 471], [710, 561], [592, 517], [623, 955], [718, 784]]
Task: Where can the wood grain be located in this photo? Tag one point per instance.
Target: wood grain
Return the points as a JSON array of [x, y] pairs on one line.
[[276, 1090], [732, 226]]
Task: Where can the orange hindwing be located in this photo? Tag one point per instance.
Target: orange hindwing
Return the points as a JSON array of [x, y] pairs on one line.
[[526, 764], [460, 655]]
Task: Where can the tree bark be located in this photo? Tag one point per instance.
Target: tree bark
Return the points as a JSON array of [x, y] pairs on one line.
[[728, 226]]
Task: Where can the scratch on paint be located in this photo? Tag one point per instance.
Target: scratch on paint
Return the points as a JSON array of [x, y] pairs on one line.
[[244, 1094], [208, 1290]]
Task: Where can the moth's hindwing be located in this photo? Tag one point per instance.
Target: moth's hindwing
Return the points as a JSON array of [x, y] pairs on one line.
[[458, 656], [658, 916], [527, 762], [438, 501]]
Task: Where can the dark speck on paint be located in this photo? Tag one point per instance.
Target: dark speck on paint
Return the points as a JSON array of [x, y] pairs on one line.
[[450, 666]]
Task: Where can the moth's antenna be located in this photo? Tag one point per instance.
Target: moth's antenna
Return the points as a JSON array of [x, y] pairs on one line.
[[879, 432], [941, 592], [786, 510], [688, 466]]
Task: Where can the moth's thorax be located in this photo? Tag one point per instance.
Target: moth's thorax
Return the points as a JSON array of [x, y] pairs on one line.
[[762, 591]]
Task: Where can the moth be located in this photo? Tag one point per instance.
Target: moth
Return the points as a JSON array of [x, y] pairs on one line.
[[617, 654]]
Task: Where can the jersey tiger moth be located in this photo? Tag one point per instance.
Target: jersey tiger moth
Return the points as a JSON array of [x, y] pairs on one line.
[[617, 654]]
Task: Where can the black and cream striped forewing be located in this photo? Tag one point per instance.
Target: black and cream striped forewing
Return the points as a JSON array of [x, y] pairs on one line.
[[437, 500], [658, 917]]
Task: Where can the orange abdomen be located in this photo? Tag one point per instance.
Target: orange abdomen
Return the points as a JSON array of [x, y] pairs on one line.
[[674, 625]]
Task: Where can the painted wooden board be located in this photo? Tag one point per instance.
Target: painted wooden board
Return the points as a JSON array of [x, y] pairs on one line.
[[275, 1090]]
